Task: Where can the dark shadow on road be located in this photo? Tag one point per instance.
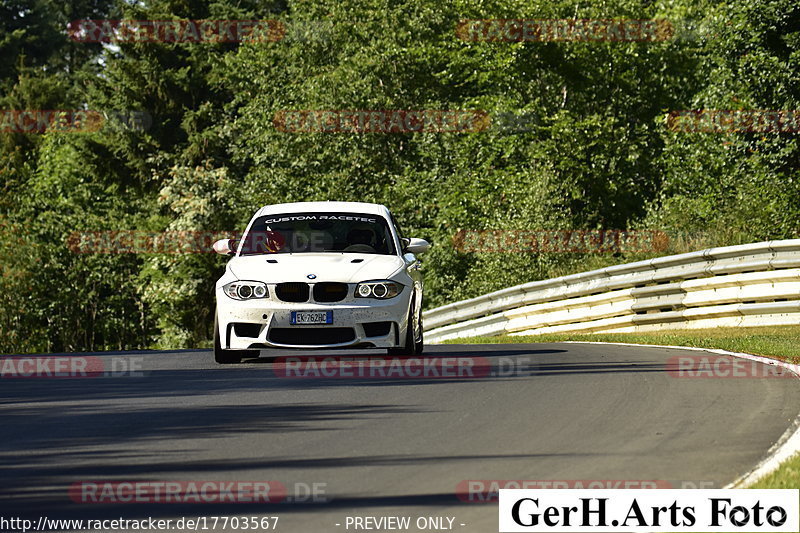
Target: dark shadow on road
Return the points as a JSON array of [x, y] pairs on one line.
[[199, 376], [350, 503], [59, 431]]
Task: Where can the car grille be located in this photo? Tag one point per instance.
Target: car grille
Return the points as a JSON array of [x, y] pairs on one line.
[[311, 336], [330, 292], [292, 292]]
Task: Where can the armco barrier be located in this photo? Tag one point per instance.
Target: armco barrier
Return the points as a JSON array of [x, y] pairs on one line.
[[748, 285]]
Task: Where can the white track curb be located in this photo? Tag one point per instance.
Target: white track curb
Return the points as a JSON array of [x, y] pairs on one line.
[[783, 449]]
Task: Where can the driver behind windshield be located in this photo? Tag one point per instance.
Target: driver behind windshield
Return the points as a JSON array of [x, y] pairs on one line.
[[361, 239]]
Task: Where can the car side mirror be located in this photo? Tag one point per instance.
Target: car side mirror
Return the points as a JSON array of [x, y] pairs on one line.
[[417, 246], [225, 246]]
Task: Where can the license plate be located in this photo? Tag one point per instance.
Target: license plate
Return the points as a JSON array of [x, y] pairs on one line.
[[312, 317]]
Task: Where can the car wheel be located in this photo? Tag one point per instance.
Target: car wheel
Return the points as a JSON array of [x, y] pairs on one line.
[[413, 340], [224, 357]]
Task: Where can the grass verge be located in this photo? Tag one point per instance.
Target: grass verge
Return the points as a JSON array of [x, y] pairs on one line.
[[778, 342], [787, 476]]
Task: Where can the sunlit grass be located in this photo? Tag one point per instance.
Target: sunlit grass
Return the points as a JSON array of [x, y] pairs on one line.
[[780, 342]]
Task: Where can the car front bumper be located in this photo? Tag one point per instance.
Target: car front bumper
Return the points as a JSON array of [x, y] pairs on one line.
[[357, 322]]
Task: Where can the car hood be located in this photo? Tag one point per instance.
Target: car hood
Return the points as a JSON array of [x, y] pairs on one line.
[[325, 266]]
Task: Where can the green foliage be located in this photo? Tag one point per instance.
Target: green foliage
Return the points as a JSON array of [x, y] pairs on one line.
[[178, 288], [589, 147], [742, 183]]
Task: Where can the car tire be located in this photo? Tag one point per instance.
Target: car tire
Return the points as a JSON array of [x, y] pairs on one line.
[[224, 357], [419, 344], [413, 345]]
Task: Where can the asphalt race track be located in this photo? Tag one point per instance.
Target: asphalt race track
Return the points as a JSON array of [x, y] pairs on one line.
[[377, 445]]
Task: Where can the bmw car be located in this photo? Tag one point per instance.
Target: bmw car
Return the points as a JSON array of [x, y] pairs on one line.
[[319, 275]]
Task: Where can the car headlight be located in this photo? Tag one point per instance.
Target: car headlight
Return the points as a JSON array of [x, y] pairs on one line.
[[246, 290], [382, 290]]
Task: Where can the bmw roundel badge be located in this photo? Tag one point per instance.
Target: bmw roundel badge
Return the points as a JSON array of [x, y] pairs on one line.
[[312, 276]]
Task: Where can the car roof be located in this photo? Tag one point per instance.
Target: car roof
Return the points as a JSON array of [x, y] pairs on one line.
[[332, 207]]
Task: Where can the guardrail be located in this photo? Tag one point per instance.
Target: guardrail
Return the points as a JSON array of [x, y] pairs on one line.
[[748, 285]]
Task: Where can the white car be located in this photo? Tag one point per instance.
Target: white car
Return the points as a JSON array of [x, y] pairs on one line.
[[319, 275]]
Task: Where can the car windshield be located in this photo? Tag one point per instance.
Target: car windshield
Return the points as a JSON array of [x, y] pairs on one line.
[[319, 232]]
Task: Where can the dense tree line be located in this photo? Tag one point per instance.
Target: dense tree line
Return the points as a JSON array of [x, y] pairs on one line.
[[580, 139]]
